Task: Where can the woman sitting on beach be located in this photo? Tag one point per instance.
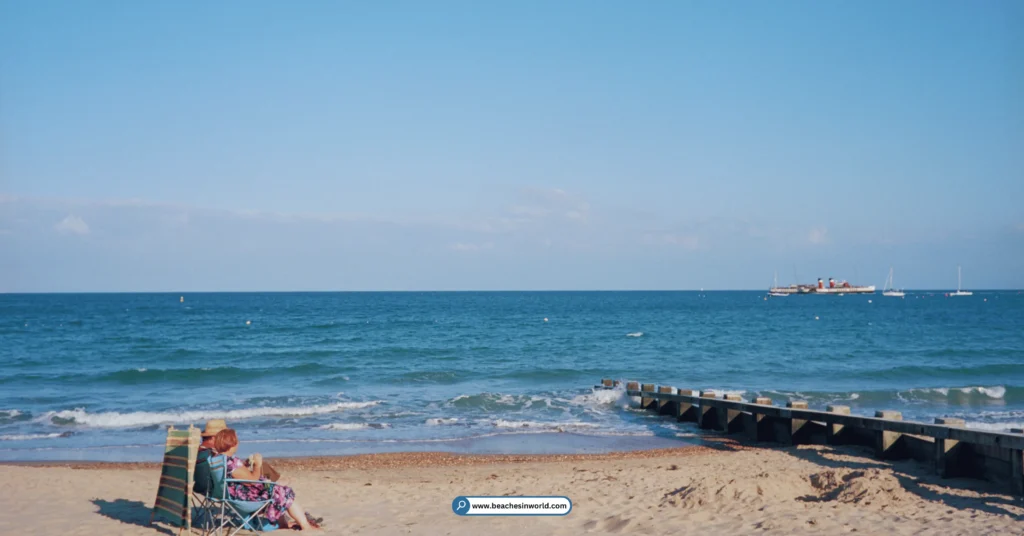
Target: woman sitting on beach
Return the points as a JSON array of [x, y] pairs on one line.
[[226, 443]]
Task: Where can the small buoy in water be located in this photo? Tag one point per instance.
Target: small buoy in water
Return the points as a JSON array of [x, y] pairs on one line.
[[986, 299], [545, 319], [869, 301], [816, 318], [182, 300], [766, 298], [247, 322]]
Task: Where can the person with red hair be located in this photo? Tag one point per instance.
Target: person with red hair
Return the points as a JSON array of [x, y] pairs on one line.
[[283, 499]]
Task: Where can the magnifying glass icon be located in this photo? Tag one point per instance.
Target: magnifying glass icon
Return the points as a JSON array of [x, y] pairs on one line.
[[461, 506]]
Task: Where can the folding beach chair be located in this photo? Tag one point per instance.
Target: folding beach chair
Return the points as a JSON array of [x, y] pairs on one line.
[[174, 494], [218, 510]]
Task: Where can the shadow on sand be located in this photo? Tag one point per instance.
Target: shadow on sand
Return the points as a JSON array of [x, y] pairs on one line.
[[129, 512], [919, 479]]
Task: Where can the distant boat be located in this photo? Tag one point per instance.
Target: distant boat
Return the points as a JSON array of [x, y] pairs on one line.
[[887, 290], [841, 287], [960, 292], [780, 292]]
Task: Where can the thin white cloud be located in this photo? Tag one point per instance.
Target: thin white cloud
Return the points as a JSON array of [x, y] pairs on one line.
[[542, 207], [73, 225], [818, 236]]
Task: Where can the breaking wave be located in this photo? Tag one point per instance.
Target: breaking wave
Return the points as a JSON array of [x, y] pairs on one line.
[[138, 419], [29, 437], [550, 426], [354, 426]]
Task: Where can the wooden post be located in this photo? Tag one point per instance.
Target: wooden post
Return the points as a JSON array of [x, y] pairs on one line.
[[707, 417], [1017, 466], [685, 410], [729, 420], [755, 425], [887, 444], [647, 402], [632, 386], [947, 451], [666, 407], [796, 432], [834, 432]]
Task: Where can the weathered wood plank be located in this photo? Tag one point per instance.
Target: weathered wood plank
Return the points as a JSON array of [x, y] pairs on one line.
[[938, 431]]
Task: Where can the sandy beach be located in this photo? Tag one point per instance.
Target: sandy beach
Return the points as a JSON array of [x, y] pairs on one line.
[[729, 489]]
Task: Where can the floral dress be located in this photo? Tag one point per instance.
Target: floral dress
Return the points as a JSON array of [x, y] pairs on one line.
[[283, 498]]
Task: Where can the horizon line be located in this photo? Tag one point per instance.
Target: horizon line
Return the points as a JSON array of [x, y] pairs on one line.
[[183, 292]]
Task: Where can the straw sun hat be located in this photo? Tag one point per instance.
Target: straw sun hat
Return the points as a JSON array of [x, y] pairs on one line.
[[213, 426]]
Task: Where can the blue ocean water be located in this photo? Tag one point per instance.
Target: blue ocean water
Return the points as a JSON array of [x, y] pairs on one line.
[[100, 376]]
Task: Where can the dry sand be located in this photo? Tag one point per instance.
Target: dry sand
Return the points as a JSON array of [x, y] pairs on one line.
[[728, 490]]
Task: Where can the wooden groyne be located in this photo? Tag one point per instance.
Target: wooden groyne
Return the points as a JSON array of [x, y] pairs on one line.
[[953, 449]]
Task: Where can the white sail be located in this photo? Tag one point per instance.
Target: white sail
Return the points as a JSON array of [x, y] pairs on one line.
[[776, 291], [959, 285], [888, 290]]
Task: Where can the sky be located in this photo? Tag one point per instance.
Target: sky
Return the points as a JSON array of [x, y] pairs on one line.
[[191, 146]]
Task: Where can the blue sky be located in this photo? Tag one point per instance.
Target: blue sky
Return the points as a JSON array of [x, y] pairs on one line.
[[529, 145]]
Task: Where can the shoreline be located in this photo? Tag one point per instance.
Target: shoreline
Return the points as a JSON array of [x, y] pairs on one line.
[[400, 459], [541, 443]]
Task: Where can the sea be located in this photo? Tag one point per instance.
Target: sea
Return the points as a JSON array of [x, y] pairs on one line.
[[102, 376]]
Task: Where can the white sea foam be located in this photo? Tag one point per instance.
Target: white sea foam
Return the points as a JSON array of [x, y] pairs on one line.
[[136, 419], [621, 433], [441, 421], [534, 425], [498, 399], [602, 397], [506, 399], [994, 426], [9, 413], [29, 437], [995, 391], [354, 426], [635, 334]]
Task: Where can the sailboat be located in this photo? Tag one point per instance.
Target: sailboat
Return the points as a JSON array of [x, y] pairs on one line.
[[887, 290], [958, 286], [778, 292]]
